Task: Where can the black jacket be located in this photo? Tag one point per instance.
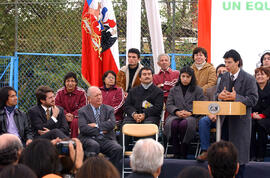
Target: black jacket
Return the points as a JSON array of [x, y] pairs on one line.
[[263, 105], [140, 175], [37, 116], [138, 95], [21, 121]]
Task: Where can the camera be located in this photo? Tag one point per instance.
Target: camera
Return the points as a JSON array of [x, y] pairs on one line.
[[62, 147]]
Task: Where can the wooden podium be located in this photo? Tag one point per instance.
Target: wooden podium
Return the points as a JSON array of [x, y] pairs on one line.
[[218, 108]]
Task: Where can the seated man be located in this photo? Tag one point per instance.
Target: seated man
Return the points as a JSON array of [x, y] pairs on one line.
[[208, 122], [222, 160], [146, 159], [71, 98], [12, 120], [166, 78], [96, 123], [144, 102], [48, 121], [10, 150]]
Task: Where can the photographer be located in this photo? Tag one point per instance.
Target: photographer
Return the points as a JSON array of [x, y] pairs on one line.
[[42, 157]]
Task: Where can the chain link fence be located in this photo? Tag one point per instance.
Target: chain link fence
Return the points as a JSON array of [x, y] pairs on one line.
[[54, 27]]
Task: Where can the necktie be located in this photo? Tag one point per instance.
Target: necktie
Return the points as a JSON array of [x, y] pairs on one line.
[[97, 115], [232, 77], [48, 114]]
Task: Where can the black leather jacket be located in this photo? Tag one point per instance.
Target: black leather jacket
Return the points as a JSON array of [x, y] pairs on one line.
[[21, 121]]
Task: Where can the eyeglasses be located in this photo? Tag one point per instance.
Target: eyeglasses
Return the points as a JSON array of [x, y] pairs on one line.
[[266, 58], [110, 78]]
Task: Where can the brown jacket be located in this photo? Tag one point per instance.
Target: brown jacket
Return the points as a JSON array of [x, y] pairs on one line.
[[206, 77], [122, 78]]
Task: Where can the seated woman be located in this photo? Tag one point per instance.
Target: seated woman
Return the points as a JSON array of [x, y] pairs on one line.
[[112, 95], [260, 115], [205, 73], [180, 125]]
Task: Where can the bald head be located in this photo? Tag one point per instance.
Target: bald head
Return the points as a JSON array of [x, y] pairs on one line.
[[94, 96], [10, 148]]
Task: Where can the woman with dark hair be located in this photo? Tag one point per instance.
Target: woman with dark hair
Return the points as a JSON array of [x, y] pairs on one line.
[[205, 72], [112, 95], [17, 171], [41, 156], [260, 115], [194, 172], [180, 125], [97, 167], [265, 59]]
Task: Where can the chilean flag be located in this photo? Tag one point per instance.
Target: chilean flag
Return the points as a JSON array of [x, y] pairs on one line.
[[99, 41]]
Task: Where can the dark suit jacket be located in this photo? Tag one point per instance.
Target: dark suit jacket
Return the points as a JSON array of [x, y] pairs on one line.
[[240, 126], [107, 121], [140, 175], [38, 120], [22, 124], [138, 94]]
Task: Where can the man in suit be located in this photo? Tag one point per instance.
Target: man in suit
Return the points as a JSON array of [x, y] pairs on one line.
[[208, 122], [48, 120], [12, 120], [237, 85], [96, 124]]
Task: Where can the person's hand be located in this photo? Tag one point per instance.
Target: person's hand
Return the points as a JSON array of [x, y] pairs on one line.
[[28, 141], [57, 140], [77, 154], [256, 116], [55, 111], [186, 114], [179, 114], [212, 117], [231, 96], [69, 117], [125, 95], [92, 125], [41, 132], [223, 94], [136, 117]]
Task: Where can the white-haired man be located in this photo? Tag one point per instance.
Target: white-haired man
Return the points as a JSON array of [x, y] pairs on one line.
[[146, 159]]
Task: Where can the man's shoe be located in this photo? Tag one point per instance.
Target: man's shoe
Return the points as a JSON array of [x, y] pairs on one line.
[[202, 157]]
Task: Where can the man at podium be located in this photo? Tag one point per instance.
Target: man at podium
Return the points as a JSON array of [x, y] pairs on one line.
[[237, 85]]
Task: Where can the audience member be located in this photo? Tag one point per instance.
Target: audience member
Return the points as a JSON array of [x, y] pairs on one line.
[[10, 149], [260, 115], [166, 78], [222, 160], [112, 95], [12, 120], [71, 98], [42, 157], [96, 123], [237, 85], [146, 159], [180, 126], [17, 171], [144, 102], [205, 73], [127, 77], [47, 119], [208, 122], [97, 167], [265, 59], [194, 172]]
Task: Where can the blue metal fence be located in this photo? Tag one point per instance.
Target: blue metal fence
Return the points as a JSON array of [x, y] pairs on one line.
[[26, 71]]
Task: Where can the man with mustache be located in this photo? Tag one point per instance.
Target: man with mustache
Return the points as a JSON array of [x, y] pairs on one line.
[[144, 102]]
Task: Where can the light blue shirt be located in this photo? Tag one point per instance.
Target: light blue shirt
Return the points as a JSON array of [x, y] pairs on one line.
[[11, 125]]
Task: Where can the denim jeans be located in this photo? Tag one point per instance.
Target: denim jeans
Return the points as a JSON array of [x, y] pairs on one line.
[[205, 125]]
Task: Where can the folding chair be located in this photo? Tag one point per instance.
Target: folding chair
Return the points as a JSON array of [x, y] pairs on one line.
[[136, 130]]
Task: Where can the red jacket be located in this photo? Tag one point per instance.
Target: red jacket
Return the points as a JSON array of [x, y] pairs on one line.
[[114, 97], [71, 102], [168, 78]]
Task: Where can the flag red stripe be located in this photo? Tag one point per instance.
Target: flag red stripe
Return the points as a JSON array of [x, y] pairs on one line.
[[204, 26]]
